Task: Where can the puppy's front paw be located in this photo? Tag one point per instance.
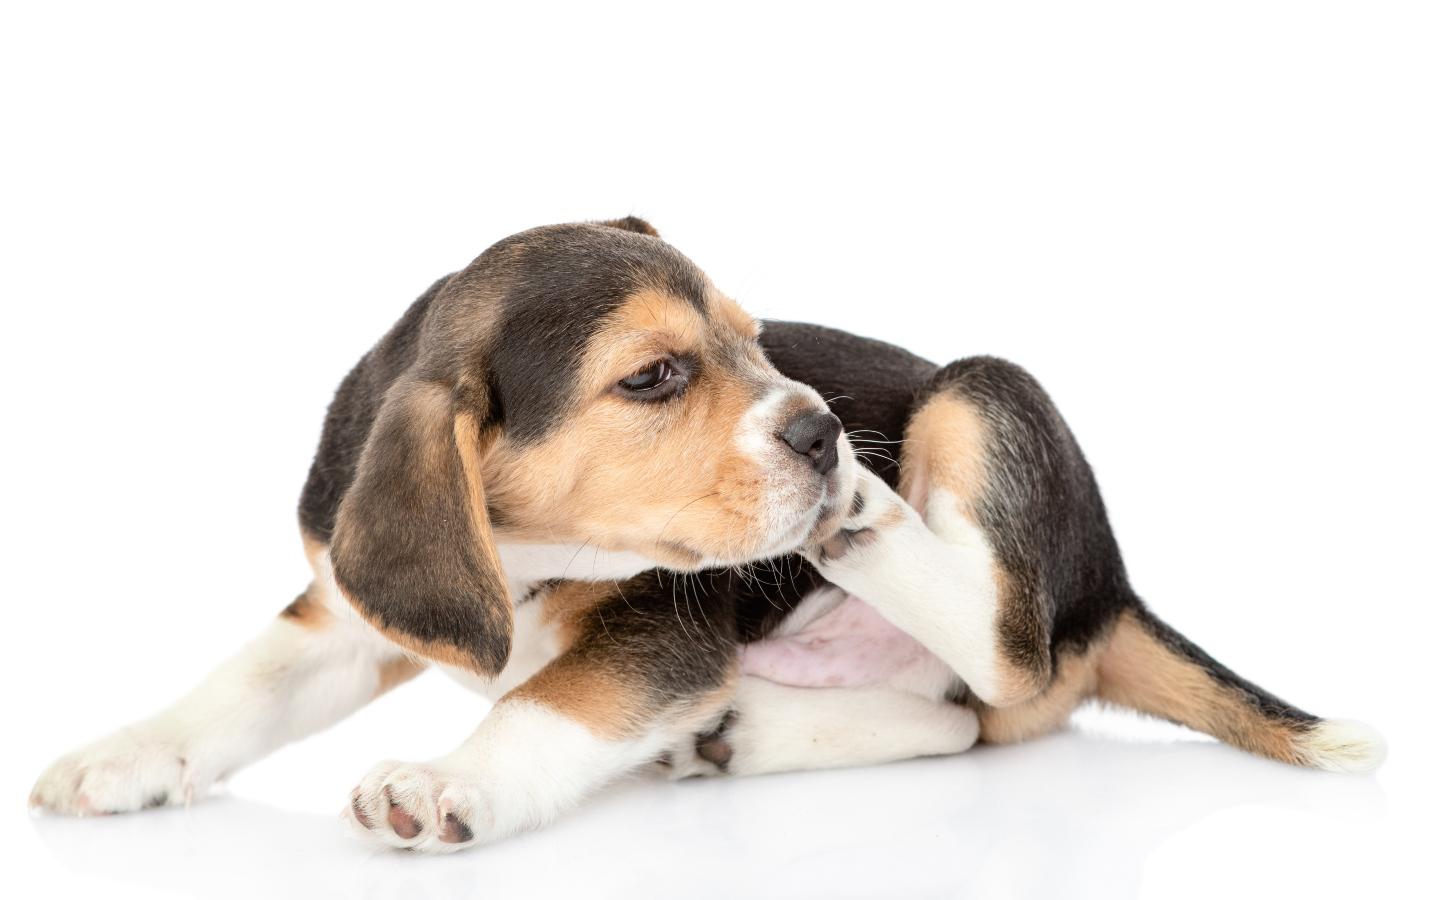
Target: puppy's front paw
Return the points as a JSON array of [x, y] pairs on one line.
[[132, 769], [425, 807]]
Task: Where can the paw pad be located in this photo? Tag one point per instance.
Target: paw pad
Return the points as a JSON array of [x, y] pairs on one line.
[[844, 541], [401, 822], [713, 747], [455, 831]]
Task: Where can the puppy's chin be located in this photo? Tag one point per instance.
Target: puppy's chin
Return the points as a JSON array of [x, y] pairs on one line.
[[839, 503], [678, 557], [830, 514], [779, 541]]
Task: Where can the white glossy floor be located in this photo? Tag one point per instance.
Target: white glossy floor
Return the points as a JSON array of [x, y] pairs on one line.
[[1113, 808]]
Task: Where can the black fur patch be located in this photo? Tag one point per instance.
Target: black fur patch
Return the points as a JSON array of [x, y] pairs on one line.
[[673, 634]]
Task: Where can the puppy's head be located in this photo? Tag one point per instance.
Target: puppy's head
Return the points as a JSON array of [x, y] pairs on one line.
[[581, 384]]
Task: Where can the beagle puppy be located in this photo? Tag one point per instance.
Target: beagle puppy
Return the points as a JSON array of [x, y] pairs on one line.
[[579, 477]]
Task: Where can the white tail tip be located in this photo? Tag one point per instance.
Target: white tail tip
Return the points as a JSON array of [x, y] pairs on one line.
[[1343, 745]]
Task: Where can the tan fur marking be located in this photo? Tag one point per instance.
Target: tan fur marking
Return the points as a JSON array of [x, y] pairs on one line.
[[397, 671], [1139, 672], [647, 324], [945, 448], [305, 610], [602, 701], [472, 445], [314, 547], [890, 518], [730, 313], [613, 707], [566, 606], [1075, 682]]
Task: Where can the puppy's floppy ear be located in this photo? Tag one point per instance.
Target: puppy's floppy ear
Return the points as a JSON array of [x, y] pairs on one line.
[[632, 223], [413, 550]]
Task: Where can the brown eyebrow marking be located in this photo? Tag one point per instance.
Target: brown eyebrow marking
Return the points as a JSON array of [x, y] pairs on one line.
[[650, 322], [730, 313], [660, 312]]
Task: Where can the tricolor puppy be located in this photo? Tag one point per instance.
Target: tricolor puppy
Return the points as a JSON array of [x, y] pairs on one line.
[[580, 477]]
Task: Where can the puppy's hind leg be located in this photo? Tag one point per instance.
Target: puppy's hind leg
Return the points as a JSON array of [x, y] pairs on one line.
[[1014, 548], [943, 592], [777, 728], [310, 668]]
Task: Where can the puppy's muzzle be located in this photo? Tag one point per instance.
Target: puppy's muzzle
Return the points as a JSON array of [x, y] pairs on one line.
[[815, 436]]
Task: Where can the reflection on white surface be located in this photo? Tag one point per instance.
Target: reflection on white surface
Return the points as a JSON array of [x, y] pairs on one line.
[[1071, 815]]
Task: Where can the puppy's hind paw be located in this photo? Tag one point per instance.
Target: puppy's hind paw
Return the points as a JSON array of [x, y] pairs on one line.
[[841, 544], [874, 510]]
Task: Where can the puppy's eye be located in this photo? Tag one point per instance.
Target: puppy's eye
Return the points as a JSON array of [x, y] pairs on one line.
[[660, 379], [649, 379]]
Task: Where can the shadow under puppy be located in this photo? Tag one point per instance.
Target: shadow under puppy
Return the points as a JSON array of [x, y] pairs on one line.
[[581, 478]]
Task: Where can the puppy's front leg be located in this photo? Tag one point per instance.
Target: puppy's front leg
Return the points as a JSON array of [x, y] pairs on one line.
[[940, 590], [633, 681], [310, 668]]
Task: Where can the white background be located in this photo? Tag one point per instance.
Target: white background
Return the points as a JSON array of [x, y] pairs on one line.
[[1210, 230]]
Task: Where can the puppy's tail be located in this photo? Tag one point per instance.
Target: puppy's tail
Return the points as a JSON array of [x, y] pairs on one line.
[[1150, 667]]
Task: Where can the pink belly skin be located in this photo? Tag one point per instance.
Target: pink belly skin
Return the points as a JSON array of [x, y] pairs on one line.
[[850, 646]]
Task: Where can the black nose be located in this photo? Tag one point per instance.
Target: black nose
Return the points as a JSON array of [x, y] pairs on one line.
[[815, 434]]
